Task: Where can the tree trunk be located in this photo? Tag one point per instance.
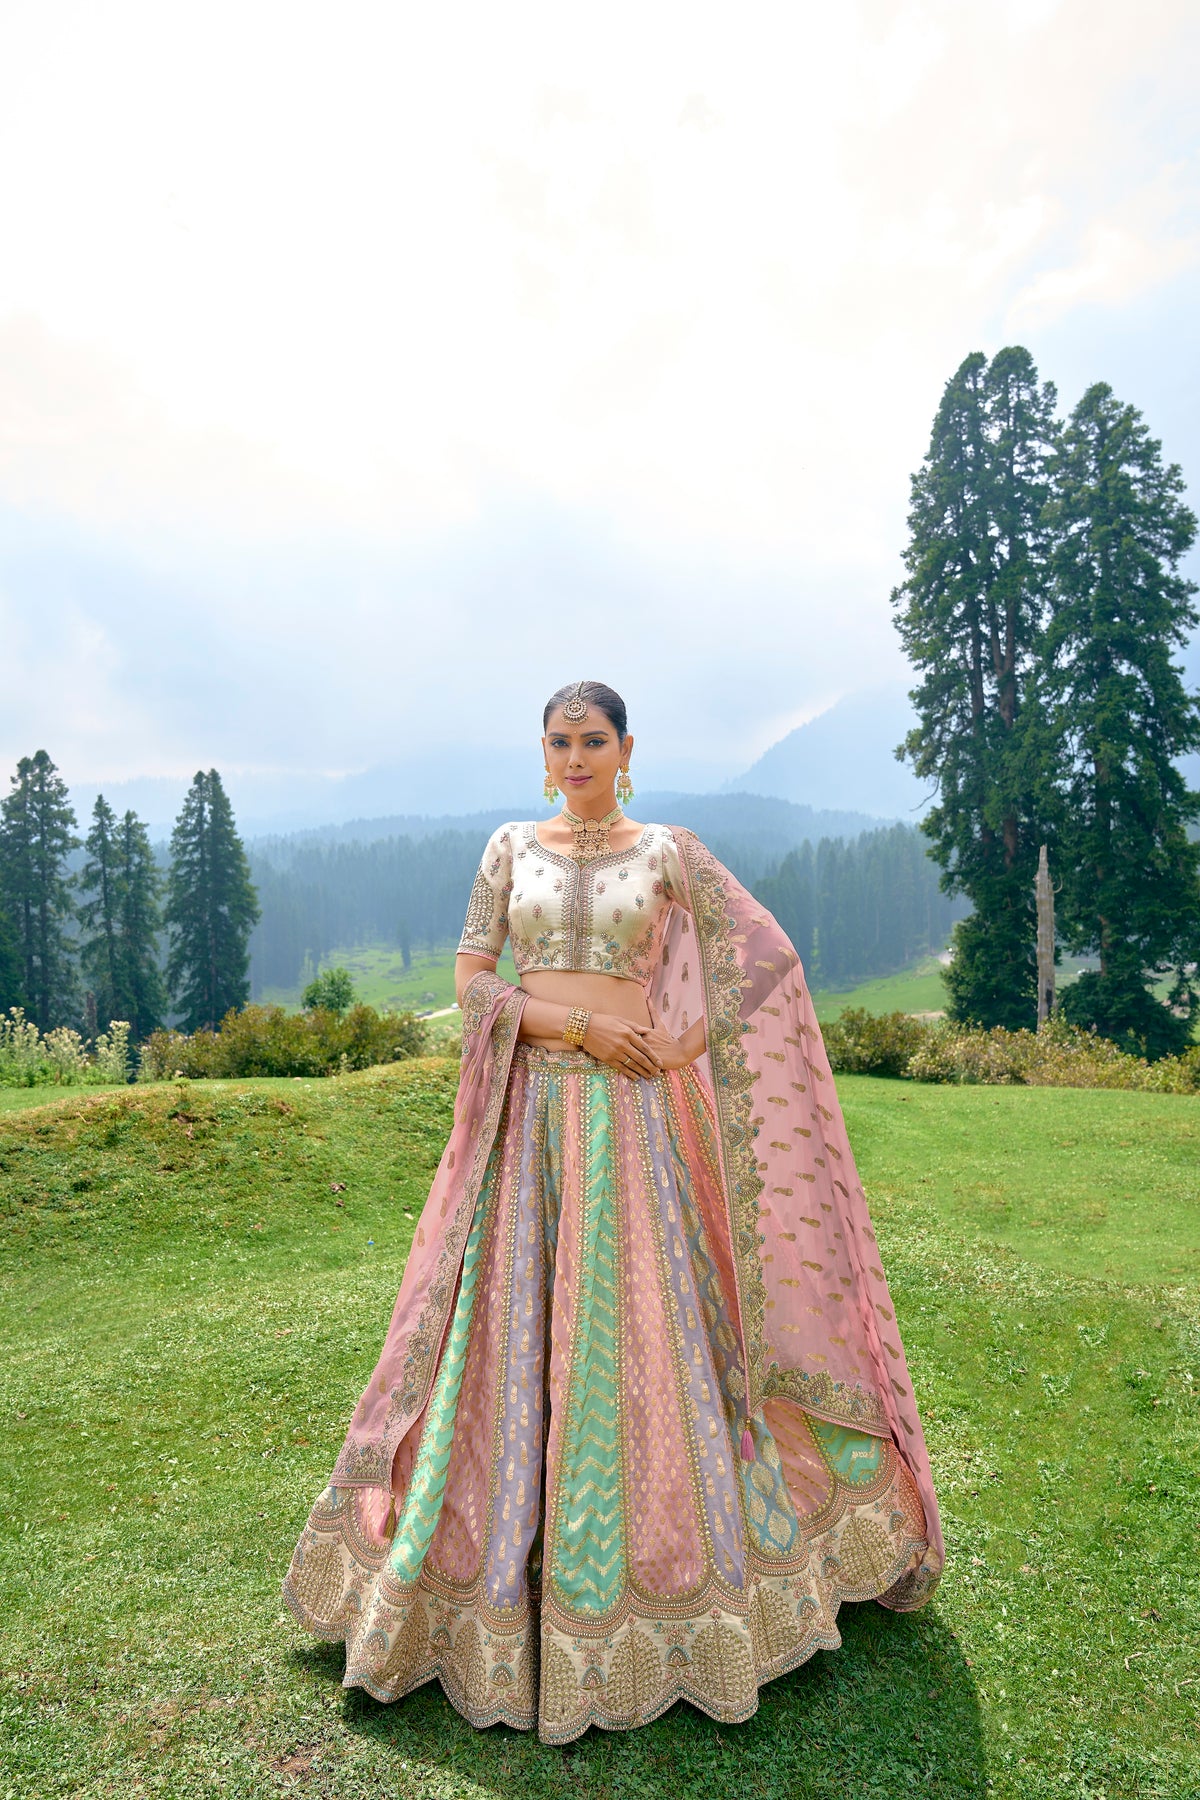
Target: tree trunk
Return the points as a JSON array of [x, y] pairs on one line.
[[1045, 939]]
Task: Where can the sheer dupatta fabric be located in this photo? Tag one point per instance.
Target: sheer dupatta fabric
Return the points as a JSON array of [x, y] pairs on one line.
[[817, 1322], [400, 1385]]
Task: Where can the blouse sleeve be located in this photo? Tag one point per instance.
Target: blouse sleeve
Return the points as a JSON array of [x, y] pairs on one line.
[[486, 925], [674, 885]]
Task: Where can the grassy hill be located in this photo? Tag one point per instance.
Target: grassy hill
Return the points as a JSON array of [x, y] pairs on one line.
[[190, 1311]]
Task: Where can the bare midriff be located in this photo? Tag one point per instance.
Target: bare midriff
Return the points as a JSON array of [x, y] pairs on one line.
[[593, 992]]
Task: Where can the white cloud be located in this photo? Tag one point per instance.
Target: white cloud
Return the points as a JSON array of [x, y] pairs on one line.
[[684, 280], [1113, 264]]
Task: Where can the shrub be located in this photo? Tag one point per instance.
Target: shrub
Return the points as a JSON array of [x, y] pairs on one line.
[[267, 1040], [22, 1063], [861, 1043], [110, 1053], [1059, 1055], [61, 1057]]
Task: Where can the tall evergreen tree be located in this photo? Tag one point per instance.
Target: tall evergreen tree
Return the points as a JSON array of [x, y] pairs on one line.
[[12, 993], [99, 913], [211, 908], [1122, 716], [145, 999], [969, 616], [121, 920], [36, 836]]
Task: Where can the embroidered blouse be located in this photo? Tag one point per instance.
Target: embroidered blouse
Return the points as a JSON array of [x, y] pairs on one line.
[[605, 917]]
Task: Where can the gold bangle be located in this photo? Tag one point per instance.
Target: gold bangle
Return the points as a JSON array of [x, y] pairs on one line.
[[576, 1027]]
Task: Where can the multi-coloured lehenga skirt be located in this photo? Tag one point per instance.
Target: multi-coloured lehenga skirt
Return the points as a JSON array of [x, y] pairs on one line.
[[573, 1536]]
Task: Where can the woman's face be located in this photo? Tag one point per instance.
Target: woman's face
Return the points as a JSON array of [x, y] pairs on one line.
[[584, 758]]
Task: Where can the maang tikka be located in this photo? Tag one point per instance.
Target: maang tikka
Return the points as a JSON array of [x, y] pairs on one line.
[[575, 709]]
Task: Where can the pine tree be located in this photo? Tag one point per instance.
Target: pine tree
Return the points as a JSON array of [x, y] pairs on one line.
[[145, 999], [36, 836], [969, 616], [1122, 716], [121, 921], [211, 908], [100, 947], [12, 993]]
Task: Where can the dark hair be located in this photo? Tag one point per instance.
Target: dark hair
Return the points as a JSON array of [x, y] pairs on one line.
[[605, 699]]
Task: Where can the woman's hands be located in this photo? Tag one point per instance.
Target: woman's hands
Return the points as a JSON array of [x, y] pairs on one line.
[[640, 1049], [622, 1044]]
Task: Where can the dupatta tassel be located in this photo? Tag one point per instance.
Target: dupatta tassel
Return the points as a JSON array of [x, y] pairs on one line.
[[747, 1446], [389, 1530]]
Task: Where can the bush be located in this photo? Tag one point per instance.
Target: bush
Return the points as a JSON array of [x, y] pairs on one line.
[[861, 1043], [267, 1040], [61, 1057], [1059, 1055]]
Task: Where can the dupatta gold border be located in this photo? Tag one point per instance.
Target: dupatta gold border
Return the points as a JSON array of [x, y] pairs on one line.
[[725, 977], [732, 1080], [372, 1462]]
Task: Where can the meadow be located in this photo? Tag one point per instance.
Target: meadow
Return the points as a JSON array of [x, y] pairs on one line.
[[381, 979], [195, 1280]]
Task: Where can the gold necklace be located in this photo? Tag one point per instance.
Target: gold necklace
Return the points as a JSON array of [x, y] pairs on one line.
[[591, 835]]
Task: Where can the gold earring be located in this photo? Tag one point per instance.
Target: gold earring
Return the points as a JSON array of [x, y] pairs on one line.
[[624, 788], [549, 789]]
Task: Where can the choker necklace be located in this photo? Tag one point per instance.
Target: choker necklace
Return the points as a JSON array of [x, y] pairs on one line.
[[591, 835]]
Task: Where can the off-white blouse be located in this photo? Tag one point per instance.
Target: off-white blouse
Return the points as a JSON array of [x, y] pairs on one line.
[[605, 917]]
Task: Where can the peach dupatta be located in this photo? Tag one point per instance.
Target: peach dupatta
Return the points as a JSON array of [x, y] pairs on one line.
[[399, 1387], [817, 1320]]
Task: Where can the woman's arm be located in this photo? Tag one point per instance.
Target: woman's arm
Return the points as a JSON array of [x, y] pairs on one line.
[[618, 1042], [675, 1052], [465, 970]]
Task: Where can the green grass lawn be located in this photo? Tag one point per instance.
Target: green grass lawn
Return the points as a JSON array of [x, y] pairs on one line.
[[381, 980], [919, 989], [191, 1310]]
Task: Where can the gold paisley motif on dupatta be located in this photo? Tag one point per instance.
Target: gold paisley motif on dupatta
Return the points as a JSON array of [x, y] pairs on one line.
[[816, 1317]]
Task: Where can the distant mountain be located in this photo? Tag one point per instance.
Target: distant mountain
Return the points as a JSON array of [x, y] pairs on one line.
[[436, 784], [844, 760], [838, 771], [297, 800], [752, 828], [845, 757]]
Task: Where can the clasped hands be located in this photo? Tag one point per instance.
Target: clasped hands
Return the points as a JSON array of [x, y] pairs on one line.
[[633, 1049]]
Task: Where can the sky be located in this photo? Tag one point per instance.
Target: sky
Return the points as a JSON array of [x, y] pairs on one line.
[[367, 372]]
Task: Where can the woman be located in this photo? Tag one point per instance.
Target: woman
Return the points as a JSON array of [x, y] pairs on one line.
[[642, 1419]]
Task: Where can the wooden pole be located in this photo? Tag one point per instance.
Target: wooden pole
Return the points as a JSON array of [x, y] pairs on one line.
[[1045, 939]]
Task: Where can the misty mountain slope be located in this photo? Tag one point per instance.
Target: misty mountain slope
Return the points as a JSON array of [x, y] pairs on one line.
[[844, 759]]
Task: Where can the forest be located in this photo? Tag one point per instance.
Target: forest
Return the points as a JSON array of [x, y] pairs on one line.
[[110, 926], [853, 907]]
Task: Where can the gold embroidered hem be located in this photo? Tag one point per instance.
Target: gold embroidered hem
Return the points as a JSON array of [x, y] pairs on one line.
[[713, 1648]]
